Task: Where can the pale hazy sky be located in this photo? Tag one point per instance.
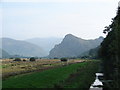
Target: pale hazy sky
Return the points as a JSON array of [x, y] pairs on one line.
[[23, 19]]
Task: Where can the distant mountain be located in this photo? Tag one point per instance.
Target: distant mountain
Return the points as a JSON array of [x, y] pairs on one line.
[[4, 54], [46, 43], [22, 48], [72, 46]]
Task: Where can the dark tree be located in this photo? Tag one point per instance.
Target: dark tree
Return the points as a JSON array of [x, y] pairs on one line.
[[63, 59], [24, 60], [110, 53], [17, 59], [32, 59]]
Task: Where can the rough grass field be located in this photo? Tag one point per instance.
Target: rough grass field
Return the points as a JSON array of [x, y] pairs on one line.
[[78, 75], [11, 68]]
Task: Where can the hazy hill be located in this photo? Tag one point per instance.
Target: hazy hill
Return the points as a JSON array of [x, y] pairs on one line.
[[46, 43], [4, 54], [72, 46], [92, 53], [22, 48]]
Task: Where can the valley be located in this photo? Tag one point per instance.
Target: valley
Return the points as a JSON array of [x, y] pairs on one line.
[[73, 72], [60, 44]]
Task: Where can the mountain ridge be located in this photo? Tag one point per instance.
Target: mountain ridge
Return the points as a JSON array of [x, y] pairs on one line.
[[4, 54], [72, 46], [20, 47]]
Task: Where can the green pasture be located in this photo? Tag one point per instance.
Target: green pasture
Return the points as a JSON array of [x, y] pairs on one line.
[[78, 75]]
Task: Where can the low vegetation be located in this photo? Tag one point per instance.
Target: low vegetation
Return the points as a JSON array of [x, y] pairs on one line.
[[17, 59], [63, 59], [78, 75], [32, 59], [12, 68]]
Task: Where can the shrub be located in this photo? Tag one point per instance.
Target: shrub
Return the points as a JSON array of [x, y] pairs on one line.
[[24, 60], [17, 59], [63, 59], [10, 58], [32, 59], [55, 58]]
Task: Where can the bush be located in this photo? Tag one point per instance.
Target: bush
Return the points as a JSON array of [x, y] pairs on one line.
[[10, 58], [24, 60], [32, 59], [63, 59], [17, 59], [55, 58]]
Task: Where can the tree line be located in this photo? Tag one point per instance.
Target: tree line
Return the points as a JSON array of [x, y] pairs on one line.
[[110, 53]]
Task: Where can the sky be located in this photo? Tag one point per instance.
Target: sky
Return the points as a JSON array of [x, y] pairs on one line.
[[24, 19]]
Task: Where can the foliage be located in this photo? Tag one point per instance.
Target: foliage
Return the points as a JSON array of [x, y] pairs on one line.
[[110, 53], [63, 59], [17, 59], [32, 59], [24, 60]]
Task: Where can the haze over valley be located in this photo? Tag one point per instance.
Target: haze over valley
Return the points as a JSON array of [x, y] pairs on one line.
[[60, 44], [40, 29], [71, 46]]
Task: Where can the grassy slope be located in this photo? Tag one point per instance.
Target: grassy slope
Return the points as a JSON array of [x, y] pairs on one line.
[[57, 77]]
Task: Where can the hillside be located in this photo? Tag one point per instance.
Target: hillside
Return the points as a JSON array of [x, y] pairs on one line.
[[46, 43], [72, 46], [22, 48], [91, 54], [4, 54]]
